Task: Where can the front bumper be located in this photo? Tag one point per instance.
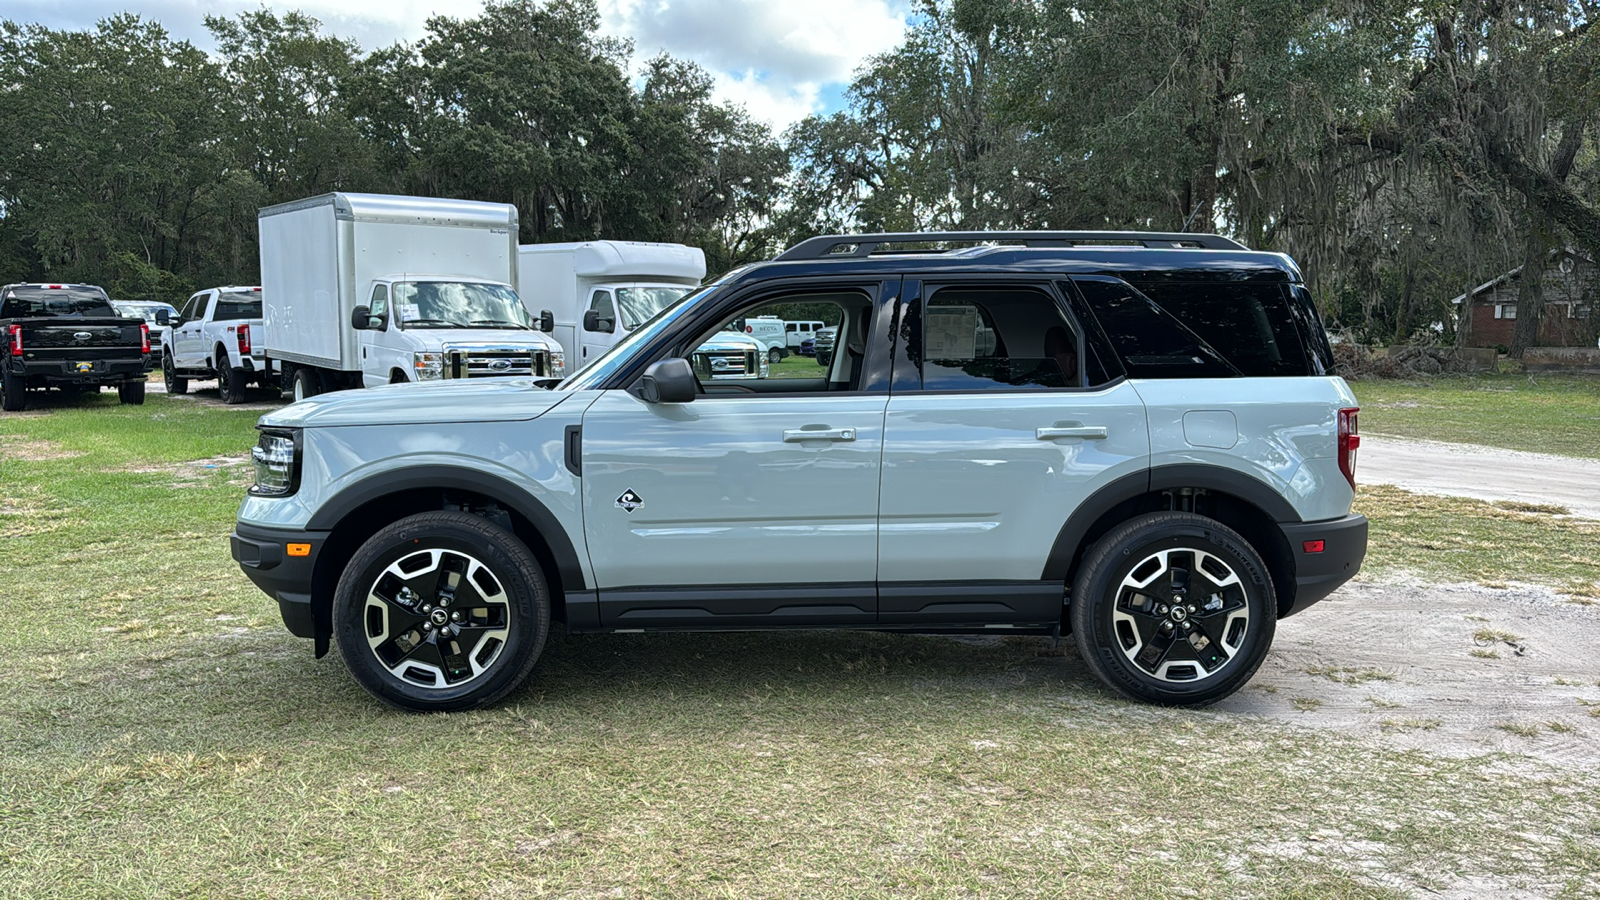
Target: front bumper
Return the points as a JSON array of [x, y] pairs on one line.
[[263, 554], [1319, 573]]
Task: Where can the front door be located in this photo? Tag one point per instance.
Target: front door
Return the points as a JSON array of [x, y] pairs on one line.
[[188, 351], [754, 504]]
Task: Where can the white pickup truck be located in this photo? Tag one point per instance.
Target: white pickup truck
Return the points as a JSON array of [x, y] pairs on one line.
[[216, 335]]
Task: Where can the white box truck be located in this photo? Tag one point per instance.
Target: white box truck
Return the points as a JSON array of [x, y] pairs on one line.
[[369, 289], [599, 291]]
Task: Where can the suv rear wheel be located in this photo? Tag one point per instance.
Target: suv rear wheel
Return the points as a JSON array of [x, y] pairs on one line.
[[1173, 608], [441, 611]]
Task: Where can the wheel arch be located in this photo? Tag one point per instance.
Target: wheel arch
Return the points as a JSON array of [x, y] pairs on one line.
[[359, 511], [1245, 504]]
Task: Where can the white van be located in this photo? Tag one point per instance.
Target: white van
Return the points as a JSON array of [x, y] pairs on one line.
[[599, 291]]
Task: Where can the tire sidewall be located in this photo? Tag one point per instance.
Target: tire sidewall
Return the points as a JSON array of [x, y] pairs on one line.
[[1114, 557], [511, 565]]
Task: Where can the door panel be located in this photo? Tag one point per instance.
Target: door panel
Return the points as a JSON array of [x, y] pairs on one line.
[[721, 495]]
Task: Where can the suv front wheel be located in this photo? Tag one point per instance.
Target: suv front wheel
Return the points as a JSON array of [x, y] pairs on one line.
[[441, 611], [1173, 608]]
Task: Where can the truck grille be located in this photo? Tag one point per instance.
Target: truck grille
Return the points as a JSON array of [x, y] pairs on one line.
[[725, 363], [495, 363]]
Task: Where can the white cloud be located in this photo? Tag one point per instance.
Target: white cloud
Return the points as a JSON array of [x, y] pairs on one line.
[[774, 57], [779, 59]]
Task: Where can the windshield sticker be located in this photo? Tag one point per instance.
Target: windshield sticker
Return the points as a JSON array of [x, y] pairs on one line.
[[950, 333], [408, 312]]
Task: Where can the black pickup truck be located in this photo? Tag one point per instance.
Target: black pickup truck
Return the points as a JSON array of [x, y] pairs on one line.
[[68, 337]]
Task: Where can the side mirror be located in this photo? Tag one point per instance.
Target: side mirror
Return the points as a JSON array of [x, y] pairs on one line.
[[593, 322], [547, 321], [668, 381], [163, 317], [361, 318]]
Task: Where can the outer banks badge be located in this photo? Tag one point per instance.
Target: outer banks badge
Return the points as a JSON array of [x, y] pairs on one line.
[[629, 501]]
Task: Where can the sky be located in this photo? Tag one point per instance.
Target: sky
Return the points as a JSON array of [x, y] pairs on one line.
[[781, 59]]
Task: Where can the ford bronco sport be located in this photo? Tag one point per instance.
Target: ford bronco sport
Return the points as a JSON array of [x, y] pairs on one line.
[[1135, 438]]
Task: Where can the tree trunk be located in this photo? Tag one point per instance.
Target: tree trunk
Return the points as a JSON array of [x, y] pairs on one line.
[[1530, 289]]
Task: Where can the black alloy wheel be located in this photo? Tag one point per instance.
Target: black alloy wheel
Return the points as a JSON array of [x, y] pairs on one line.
[[441, 611], [1173, 608]]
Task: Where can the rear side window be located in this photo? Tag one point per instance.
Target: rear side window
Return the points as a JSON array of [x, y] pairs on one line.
[[232, 305], [1248, 324], [1150, 340], [995, 338], [31, 302]]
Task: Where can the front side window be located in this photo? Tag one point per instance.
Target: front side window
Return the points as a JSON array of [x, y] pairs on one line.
[[995, 338], [601, 303], [191, 310], [732, 351], [235, 305], [458, 304], [379, 307]]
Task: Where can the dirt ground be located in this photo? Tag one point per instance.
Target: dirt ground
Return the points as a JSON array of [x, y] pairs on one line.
[[1451, 669]]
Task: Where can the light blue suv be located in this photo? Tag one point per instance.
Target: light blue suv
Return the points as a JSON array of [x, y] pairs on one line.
[[1136, 438]]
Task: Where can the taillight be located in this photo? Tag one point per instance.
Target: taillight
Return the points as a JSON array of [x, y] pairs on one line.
[[244, 340], [14, 338], [144, 337], [1349, 443]]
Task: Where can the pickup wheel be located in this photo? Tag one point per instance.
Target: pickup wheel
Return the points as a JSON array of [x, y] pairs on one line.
[[13, 394], [441, 611], [131, 392], [1173, 608], [176, 384], [230, 381]]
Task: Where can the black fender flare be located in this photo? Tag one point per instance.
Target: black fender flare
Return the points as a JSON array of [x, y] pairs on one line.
[[1160, 478], [437, 477]]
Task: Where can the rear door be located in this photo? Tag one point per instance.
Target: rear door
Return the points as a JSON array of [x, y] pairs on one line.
[[996, 430]]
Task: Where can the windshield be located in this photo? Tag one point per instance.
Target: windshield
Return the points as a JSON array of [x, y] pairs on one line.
[[458, 304], [27, 302], [232, 305], [597, 371], [145, 311], [640, 304]]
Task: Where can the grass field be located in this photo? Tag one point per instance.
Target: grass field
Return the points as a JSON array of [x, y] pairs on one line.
[[1540, 413], [164, 736]]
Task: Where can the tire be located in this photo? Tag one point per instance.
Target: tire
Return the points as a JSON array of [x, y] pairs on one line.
[[230, 381], [824, 358], [387, 614], [1139, 642], [774, 355], [398, 377], [176, 384], [13, 393], [131, 392], [306, 383]]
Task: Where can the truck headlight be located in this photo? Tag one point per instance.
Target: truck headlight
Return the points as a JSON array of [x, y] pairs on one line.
[[276, 457], [763, 367], [429, 366], [558, 362]]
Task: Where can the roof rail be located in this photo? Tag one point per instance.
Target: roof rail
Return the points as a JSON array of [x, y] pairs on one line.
[[860, 245]]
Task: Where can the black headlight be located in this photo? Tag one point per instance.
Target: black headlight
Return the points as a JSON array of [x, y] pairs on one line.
[[276, 457]]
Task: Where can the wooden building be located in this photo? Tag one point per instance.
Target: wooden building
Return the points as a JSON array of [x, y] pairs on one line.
[[1571, 305]]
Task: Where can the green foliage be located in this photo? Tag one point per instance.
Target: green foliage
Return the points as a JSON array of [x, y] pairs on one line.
[[134, 279]]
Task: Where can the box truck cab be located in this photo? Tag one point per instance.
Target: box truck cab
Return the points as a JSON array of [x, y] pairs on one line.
[[600, 291], [361, 290]]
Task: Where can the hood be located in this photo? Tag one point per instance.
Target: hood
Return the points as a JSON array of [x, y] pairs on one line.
[[435, 402], [731, 340]]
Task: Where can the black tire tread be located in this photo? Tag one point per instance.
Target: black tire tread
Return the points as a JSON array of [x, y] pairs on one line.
[[487, 535], [1100, 556]]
